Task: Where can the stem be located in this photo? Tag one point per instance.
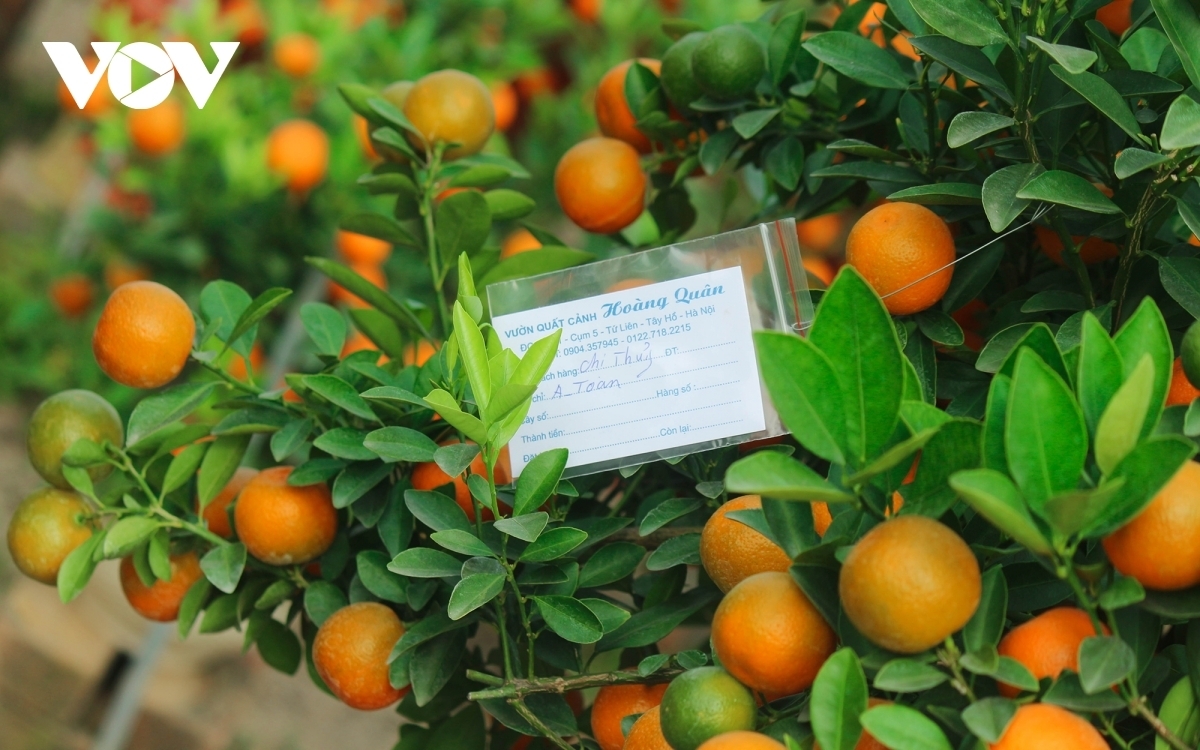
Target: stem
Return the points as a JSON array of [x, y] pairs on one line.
[[563, 685], [1070, 256], [537, 723], [427, 196], [502, 625], [1139, 707], [949, 657], [229, 379]]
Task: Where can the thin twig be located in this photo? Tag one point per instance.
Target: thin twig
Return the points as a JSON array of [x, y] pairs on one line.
[[563, 685]]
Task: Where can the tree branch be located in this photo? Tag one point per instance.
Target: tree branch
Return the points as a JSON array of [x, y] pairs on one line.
[[562, 685]]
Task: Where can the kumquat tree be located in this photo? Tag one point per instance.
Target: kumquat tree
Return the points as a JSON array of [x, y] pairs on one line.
[[981, 530]]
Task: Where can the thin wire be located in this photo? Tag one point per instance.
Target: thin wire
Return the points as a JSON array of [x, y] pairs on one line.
[[1037, 215]]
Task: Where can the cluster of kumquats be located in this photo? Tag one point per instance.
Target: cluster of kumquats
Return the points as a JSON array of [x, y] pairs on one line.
[[920, 506]]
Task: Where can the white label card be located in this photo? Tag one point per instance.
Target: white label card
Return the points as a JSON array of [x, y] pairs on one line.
[[648, 369]]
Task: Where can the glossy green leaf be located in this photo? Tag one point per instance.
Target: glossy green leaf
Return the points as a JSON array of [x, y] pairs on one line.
[[472, 592], [339, 393], [570, 618], [857, 57], [1101, 95], [839, 697], [1103, 662], [1068, 189], [538, 480], [903, 728], [799, 378], [1145, 332], [1179, 20], [967, 126], [772, 474], [1072, 59], [1045, 439]]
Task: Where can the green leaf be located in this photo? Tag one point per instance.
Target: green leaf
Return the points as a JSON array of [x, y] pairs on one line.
[[461, 542], [278, 646], [748, 124], [455, 457], [372, 566], [784, 162], [526, 527], [445, 405], [77, 568], [474, 354], [480, 175], [183, 466], [965, 21], [155, 412], [862, 148], [1146, 332], [388, 183], [666, 512], [1180, 714], [1045, 439], [940, 327], [908, 676], [553, 544], [380, 227], [784, 45], [858, 58], [654, 623], [223, 566], [1124, 592], [1145, 471], [189, 609], [997, 499], [798, 377], [1068, 189], [1180, 22], [1101, 95], [344, 442], [505, 205], [611, 563], [1000, 189], [1181, 278], [1121, 424], [356, 480], [462, 223], [534, 263], [373, 295], [986, 626], [251, 421], [570, 618], [610, 615], [902, 728], [322, 599], [964, 59], [436, 511], [772, 474], [940, 194], [680, 550], [472, 592], [380, 329], [1072, 59], [1103, 662], [839, 697], [988, 718], [892, 457], [854, 330], [967, 126], [1100, 373], [262, 305], [394, 444], [126, 534], [221, 304], [339, 393], [422, 562], [1181, 128], [1133, 160], [538, 480], [1068, 693]]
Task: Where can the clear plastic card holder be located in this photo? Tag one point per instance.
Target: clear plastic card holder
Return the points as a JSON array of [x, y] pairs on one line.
[[776, 298]]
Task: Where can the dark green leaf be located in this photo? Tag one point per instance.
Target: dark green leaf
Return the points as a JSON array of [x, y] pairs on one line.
[[908, 676], [472, 592], [538, 480], [570, 618], [965, 21], [857, 57], [400, 444], [553, 544], [964, 59], [1068, 189], [1045, 438], [505, 204], [941, 194], [902, 728], [1103, 662], [772, 474], [372, 566], [422, 562], [610, 564], [223, 566], [322, 599]]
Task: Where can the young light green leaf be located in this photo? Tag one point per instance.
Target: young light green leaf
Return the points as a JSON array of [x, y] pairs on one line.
[[772, 474], [903, 728], [1120, 427], [995, 497]]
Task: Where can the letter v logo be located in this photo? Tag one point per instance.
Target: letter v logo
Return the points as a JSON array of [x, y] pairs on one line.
[[80, 82]]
